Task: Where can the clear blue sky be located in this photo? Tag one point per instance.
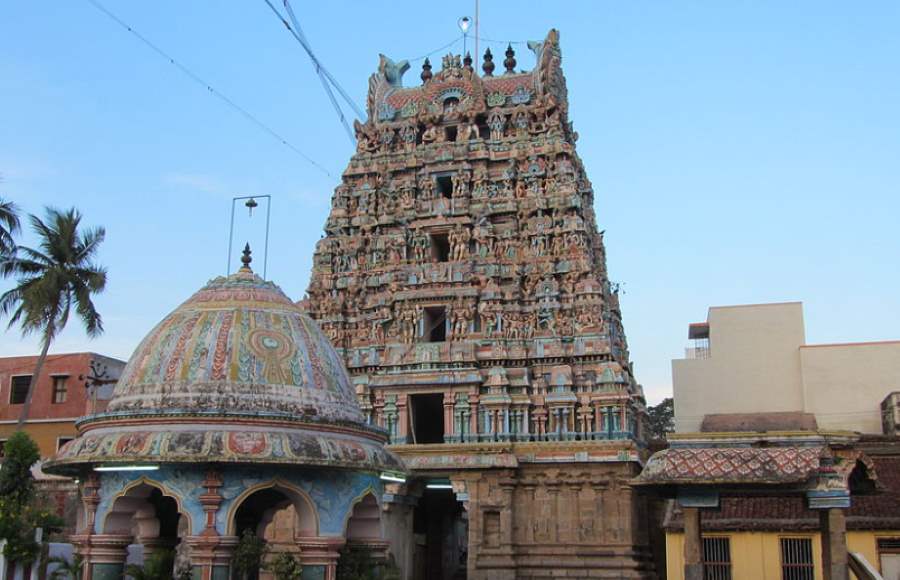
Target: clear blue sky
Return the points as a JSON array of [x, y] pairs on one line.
[[740, 151]]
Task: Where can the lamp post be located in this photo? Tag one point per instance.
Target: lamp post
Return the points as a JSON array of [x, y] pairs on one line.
[[250, 204], [464, 24]]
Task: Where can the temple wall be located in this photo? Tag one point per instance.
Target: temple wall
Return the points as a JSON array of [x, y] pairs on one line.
[[537, 520], [332, 492]]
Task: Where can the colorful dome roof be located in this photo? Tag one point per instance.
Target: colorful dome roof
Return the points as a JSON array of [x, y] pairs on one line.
[[239, 346], [238, 373]]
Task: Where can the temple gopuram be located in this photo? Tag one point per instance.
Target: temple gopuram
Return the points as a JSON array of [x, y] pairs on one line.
[[463, 279]]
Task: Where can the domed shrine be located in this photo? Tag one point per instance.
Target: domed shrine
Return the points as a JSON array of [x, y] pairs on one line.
[[235, 413]]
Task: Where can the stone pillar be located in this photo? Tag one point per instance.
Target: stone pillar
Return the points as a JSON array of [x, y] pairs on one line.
[[449, 427], [833, 532], [474, 428], [210, 552], [211, 556], [90, 498], [320, 555], [403, 416], [104, 555], [693, 563]]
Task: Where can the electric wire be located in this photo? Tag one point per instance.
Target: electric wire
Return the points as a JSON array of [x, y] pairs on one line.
[[435, 51], [319, 66], [324, 76], [212, 90]]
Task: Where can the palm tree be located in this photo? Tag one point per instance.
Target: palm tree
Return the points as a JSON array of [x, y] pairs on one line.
[[67, 569], [51, 281], [9, 226]]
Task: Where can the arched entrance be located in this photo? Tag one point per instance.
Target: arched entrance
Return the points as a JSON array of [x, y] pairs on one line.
[[280, 514], [152, 518], [364, 524]]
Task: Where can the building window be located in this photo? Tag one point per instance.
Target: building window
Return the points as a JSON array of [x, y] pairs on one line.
[[60, 389], [889, 557], [717, 558], [450, 133], [18, 389], [3, 447], [435, 321], [427, 418], [440, 247], [60, 441], [797, 559], [444, 185]]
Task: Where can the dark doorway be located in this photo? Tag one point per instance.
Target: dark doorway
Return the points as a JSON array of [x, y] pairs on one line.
[[435, 324], [441, 527], [428, 418], [440, 248], [444, 185]]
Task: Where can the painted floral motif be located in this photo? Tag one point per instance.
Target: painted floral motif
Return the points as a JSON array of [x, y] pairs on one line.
[[239, 345]]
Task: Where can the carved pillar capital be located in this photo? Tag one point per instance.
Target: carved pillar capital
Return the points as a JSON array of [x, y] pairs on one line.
[[211, 499]]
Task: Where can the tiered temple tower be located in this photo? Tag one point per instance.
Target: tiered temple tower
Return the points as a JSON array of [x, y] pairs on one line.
[[463, 278]]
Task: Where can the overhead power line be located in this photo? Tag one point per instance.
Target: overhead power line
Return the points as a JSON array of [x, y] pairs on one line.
[[328, 81], [212, 90]]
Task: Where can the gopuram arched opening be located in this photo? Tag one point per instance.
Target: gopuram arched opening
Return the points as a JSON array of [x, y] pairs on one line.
[[154, 522], [441, 529]]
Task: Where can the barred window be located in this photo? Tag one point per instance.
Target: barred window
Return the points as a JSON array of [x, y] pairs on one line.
[[716, 558], [889, 557], [797, 559]]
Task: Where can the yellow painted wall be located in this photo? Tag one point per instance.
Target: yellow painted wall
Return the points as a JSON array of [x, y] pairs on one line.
[[757, 555], [44, 434]]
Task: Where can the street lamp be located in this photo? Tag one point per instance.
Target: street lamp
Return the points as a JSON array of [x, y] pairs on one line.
[[464, 23]]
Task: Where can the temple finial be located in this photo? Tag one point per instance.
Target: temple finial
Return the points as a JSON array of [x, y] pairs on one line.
[[510, 61], [467, 61], [488, 65], [246, 259], [426, 71]]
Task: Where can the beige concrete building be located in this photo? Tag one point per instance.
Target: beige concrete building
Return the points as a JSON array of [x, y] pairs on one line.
[[752, 359]]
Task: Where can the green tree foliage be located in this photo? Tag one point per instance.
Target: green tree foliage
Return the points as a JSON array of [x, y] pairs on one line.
[[248, 555], [21, 511], [158, 566], [67, 569], [661, 418], [358, 563], [9, 227], [285, 566], [51, 281]]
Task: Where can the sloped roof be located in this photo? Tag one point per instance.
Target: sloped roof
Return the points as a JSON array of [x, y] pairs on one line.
[[879, 511]]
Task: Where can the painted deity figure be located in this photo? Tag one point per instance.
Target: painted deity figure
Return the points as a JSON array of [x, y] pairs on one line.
[[459, 320], [430, 135], [459, 242], [408, 135], [497, 124], [460, 185], [426, 189], [484, 239], [420, 246]]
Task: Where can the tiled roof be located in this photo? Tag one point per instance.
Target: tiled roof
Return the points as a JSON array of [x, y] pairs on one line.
[[731, 465], [789, 513]]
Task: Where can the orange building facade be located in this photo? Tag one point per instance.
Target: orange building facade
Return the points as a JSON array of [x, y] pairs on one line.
[[70, 385]]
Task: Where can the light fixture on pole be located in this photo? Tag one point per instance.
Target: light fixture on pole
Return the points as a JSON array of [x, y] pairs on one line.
[[250, 204], [464, 23]]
